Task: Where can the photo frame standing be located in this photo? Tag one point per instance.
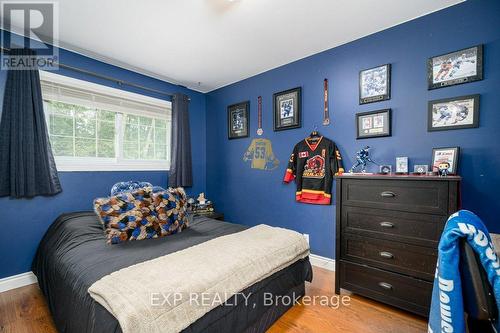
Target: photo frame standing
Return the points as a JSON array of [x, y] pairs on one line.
[[375, 84], [462, 66], [453, 113], [402, 165], [373, 124], [238, 121], [445, 155], [287, 109]]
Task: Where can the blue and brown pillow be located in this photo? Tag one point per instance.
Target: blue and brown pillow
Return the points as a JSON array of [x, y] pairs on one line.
[[128, 186], [171, 210], [128, 216], [142, 214], [133, 185]]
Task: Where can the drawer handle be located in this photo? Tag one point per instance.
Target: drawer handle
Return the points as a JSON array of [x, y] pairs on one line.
[[385, 285], [388, 194], [387, 255], [386, 224]]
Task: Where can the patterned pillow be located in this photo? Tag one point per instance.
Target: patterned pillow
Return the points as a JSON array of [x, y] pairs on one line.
[[128, 186], [128, 216], [157, 189], [171, 210]]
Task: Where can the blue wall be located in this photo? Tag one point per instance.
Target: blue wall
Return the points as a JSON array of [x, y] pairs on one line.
[[25, 221], [251, 196]]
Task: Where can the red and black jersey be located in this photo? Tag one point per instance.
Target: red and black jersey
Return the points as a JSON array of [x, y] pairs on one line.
[[313, 164]]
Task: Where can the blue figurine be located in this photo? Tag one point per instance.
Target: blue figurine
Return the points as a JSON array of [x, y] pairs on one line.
[[362, 158]]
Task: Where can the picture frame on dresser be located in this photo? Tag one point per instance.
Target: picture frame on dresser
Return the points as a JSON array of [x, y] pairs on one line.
[[448, 155], [402, 165]]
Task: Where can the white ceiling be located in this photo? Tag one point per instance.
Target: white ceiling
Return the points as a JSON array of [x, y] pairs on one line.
[[207, 44]]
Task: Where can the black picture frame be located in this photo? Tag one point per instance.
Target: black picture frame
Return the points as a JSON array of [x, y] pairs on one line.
[[375, 98], [459, 107], [454, 159], [286, 122], [453, 59], [234, 130], [371, 130]]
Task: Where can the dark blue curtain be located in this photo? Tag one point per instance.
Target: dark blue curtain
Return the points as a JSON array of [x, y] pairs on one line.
[[27, 167], [181, 173]]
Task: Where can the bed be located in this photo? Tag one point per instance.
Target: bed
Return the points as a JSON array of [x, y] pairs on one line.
[[73, 255]]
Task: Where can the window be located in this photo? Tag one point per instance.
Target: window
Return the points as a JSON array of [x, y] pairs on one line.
[[78, 131], [92, 127]]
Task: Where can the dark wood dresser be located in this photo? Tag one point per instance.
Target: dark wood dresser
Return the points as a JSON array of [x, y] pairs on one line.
[[387, 232]]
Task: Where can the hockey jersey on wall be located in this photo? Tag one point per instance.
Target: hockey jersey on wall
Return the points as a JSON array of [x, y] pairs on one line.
[[260, 152], [313, 164]]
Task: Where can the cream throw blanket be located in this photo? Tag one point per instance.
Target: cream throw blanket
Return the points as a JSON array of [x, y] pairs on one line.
[[144, 297]]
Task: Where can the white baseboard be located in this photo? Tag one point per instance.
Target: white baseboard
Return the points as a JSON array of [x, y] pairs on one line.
[[24, 279], [322, 262], [17, 281]]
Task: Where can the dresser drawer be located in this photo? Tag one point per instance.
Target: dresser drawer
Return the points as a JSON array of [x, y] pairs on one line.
[[402, 195], [398, 257], [402, 291], [414, 228]]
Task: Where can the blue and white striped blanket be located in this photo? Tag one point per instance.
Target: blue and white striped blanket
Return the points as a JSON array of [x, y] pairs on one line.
[[447, 308]]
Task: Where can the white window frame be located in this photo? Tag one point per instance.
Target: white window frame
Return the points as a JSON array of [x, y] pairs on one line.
[[118, 163]]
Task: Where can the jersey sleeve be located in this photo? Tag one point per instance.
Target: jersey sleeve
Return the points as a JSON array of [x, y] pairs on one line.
[[291, 167], [250, 152], [271, 161], [336, 162]]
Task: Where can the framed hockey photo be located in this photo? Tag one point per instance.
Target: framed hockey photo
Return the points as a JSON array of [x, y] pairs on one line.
[[373, 124], [445, 155], [453, 113], [287, 109], [238, 120], [375, 84], [457, 67]]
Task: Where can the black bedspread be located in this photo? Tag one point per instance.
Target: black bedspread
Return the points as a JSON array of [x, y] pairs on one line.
[[73, 255]]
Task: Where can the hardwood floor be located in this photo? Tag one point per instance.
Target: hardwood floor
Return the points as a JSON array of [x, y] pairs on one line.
[[360, 316], [24, 310]]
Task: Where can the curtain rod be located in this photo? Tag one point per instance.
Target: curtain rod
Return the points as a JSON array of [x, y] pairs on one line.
[[105, 77]]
